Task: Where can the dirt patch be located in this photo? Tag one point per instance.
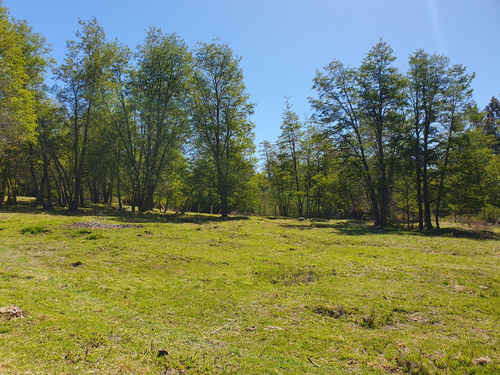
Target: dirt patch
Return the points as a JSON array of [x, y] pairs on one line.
[[13, 312], [101, 225]]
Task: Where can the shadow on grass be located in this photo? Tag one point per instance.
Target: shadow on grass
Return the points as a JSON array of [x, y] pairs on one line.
[[348, 227], [463, 233], [97, 210], [360, 228]]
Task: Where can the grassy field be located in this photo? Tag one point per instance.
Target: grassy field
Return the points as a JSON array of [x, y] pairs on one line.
[[105, 292]]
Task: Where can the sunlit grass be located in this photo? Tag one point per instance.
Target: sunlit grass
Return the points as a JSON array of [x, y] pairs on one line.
[[114, 293]]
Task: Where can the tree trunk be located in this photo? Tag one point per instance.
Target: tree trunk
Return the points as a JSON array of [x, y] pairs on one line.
[[36, 188], [224, 204]]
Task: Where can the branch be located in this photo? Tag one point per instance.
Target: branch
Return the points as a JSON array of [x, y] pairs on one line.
[[314, 363], [224, 326]]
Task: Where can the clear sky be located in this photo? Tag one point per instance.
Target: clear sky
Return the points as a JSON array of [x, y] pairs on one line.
[[283, 42]]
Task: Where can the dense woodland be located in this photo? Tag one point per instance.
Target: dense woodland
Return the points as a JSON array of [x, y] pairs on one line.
[[166, 126]]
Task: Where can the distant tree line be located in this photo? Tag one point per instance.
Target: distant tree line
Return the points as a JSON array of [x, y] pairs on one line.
[[165, 126]]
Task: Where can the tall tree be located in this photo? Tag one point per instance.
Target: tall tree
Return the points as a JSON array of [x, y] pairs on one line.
[[427, 82], [23, 63], [339, 108], [382, 103], [289, 143], [220, 117], [84, 76], [364, 108], [151, 110], [457, 99], [277, 176]]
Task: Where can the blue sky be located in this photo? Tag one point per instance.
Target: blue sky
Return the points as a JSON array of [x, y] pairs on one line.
[[282, 43]]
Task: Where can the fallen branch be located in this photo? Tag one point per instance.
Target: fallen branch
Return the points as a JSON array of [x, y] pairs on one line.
[[314, 363], [224, 326]]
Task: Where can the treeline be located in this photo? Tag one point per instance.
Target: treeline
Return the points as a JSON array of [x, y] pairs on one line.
[[390, 146], [168, 126]]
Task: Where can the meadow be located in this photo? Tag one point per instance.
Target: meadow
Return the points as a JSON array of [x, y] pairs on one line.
[[110, 292]]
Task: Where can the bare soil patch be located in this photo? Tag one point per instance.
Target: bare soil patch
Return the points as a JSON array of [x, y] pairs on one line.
[[100, 225], [12, 312]]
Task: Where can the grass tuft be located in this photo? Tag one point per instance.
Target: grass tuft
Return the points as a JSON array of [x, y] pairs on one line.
[[34, 229], [333, 312]]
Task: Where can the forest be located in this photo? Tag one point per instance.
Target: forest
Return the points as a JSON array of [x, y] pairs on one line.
[[165, 126]]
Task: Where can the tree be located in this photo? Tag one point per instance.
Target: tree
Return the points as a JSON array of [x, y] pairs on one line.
[[457, 99], [492, 123], [51, 121], [364, 109], [427, 80], [84, 76], [150, 112], [382, 103], [339, 108], [23, 63], [278, 177], [17, 100], [289, 143], [220, 111], [474, 178]]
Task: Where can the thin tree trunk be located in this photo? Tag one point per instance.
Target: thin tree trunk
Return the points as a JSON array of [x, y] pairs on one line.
[[36, 188]]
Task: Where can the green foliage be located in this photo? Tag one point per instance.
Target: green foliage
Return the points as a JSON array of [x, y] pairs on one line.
[[84, 79], [474, 177], [17, 72], [363, 109], [159, 88], [220, 109]]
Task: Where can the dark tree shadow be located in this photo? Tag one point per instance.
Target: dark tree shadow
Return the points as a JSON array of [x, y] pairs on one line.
[[360, 228], [96, 211], [463, 233]]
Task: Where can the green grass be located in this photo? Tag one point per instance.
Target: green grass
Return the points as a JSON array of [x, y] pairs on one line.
[[107, 292]]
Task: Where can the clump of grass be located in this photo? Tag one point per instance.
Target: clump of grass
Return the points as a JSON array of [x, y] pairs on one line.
[[411, 363], [94, 236], [368, 320], [333, 312], [290, 275], [84, 231], [34, 229]]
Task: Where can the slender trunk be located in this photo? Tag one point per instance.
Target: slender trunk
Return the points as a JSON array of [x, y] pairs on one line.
[[384, 193], [427, 203], [375, 207], [425, 178], [224, 205], [418, 176], [445, 166], [45, 184], [119, 192], [36, 188], [65, 195]]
